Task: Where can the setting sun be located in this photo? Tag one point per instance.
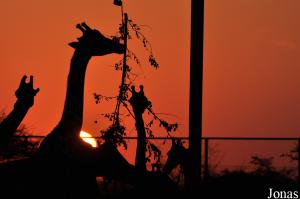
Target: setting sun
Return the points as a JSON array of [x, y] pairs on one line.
[[88, 138]]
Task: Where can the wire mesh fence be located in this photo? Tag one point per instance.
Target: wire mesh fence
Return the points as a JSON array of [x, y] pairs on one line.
[[220, 154]]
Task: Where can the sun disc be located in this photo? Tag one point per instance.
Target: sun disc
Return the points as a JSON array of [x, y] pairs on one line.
[[88, 138]]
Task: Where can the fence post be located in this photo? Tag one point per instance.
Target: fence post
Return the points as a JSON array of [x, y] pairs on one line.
[[196, 87]]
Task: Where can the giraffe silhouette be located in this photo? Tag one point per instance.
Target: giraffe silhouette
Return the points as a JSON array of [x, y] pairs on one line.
[[63, 147], [25, 99], [140, 103], [157, 182], [65, 137]]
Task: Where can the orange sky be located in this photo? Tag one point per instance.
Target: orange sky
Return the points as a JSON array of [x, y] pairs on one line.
[[35, 42], [251, 61], [252, 68]]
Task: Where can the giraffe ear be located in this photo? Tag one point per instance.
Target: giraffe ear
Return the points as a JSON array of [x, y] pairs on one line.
[[36, 91], [73, 44]]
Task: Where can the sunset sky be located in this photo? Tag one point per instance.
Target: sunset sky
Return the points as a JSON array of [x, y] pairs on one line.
[[251, 61]]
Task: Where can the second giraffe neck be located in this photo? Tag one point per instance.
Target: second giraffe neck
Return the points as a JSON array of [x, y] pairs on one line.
[[140, 159], [73, 108]]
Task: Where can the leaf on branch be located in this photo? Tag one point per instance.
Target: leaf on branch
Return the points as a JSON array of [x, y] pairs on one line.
[[99, 97], [169, 127], [153, 62], [115, 134]]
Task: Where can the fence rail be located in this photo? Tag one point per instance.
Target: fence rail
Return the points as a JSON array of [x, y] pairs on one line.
[[206, 144]]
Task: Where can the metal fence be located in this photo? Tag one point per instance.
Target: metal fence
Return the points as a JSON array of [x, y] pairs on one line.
[[206, 146]]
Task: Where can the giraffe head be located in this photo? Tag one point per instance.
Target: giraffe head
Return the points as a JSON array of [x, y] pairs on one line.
[[94, 43], [139, 101], [25, 93]]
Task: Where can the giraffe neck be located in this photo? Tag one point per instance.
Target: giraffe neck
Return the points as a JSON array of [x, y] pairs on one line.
[[71, 120], [10, 124], [140, 158]]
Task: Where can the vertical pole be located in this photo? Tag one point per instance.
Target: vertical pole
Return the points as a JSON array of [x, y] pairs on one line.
[[196, 87], [125, 49], [121, 92], [206, 171]]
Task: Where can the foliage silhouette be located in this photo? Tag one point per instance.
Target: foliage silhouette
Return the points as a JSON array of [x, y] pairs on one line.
[[117, 131], [292, 154], [251, 184]]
